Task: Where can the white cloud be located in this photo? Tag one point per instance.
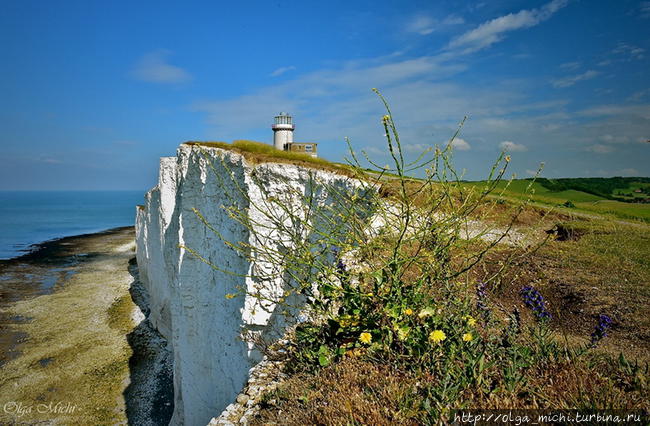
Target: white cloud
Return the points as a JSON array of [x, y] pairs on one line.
[[607, 138], [282, 70], [425, 25], [637, 96], [373, 150], [453, 20], [495, 30], [49, 160], [600, 148], [570, 65], [629, 51], [339, 95], [427, 103], [460, 144], [512, 147], [636, 112], [421, 24], [573, 79], [417, 148], [153, 67]]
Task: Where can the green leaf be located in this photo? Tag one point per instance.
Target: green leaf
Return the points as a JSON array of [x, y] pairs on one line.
[[403, 332], [393, 311], [324, 356], [323, 360], [378, 276]]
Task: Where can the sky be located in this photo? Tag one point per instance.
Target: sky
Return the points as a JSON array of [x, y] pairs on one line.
[[92, 93]]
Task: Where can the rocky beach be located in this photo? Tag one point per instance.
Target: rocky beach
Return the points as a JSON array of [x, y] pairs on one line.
[[75, 346]]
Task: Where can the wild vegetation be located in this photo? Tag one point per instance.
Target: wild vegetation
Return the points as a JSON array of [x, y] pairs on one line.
[[257, 152], [611, 188], [425, 311], [581, 198]]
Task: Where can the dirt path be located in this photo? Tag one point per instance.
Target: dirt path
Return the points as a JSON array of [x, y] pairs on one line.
[[72, 366]]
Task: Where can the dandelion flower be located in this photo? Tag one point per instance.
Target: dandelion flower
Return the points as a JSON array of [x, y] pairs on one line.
[[408, 311], [437, 336], [467, 337], [230, 296], [471, 321], [365, 338], [507, 158]]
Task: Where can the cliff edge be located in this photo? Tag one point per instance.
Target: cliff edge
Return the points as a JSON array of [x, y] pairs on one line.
[[191, 298]]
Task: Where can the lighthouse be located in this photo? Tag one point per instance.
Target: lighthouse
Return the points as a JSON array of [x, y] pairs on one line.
[[283, 131], [283, 137]]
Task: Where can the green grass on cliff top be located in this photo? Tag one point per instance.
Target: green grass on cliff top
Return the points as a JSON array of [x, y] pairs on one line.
[[582, 200], [259, 152]]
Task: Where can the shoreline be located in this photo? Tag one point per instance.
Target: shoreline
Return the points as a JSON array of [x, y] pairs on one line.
[[40, 271], [73, 332], [45, 248]]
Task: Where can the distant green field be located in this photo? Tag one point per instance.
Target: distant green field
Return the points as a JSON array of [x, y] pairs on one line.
[[634, 191], [617, 208], [581, 200]]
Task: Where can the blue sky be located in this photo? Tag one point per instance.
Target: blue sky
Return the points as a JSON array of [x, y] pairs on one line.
[[94, 92]]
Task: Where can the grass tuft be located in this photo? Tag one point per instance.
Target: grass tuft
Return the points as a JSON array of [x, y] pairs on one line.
[[259, 152]]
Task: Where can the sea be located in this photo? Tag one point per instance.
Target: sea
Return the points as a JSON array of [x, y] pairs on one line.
[[30, 217]]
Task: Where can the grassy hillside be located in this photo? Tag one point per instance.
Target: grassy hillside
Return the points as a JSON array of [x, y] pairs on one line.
[[566, 196], [602, 269], [615, 188]]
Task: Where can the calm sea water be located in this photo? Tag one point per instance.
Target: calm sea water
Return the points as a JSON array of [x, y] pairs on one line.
[[31, 217]]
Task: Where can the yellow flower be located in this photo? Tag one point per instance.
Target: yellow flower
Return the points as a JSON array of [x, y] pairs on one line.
[[408, 311], [385, 118], [470, 320], [467, 337], [507, 158], [230, 296], [365, 338], [437, 336]]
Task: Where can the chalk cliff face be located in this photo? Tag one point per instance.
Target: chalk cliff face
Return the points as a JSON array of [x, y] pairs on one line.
[[187, 296]]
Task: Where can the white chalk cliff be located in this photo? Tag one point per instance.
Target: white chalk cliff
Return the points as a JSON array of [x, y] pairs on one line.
[[188, 303]]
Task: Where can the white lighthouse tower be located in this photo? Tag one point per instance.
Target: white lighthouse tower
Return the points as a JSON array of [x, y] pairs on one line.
[[283, 131]]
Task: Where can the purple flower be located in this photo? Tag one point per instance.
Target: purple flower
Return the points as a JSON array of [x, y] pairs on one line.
[[535, 301], [604, 323], [341, 268], [481, 299]]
